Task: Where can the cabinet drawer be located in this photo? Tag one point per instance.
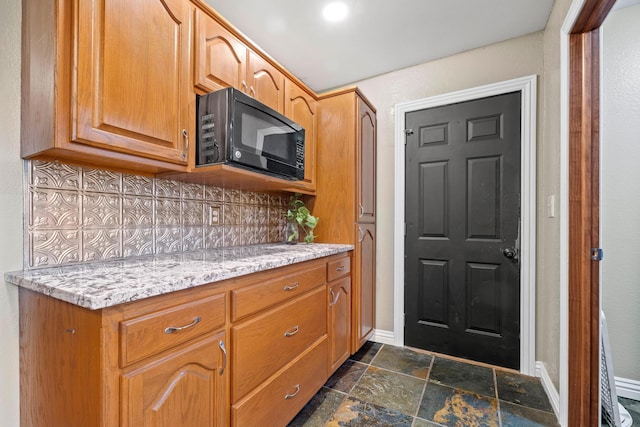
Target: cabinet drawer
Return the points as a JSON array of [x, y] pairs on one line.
[[266, 343], [278, 400], [338, 268], [152, 333], [251, 299]]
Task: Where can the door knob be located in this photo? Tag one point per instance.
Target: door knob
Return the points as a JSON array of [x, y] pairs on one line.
[[509, 253]]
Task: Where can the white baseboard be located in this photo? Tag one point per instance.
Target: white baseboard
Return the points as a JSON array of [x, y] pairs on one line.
[[628, 388], [549, 388], [383, 337]]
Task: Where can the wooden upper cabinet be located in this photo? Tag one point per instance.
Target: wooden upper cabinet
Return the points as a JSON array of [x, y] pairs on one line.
[[301, 107], [220, 58], [133, 93], [266, 82], [366, 163]]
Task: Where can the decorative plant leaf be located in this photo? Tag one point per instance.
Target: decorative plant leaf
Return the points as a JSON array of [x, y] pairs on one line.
[[300, 214]]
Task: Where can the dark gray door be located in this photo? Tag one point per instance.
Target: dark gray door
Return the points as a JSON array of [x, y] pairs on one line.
[[462, 291]]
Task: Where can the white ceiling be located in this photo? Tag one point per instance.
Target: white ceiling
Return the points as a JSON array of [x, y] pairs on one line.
[[377, 36]]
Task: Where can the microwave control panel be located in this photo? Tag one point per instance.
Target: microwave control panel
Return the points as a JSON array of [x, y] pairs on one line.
[[209, 150]]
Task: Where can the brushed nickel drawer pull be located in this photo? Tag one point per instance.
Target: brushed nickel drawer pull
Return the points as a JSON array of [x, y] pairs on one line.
[[341, 268], [291, 287], [172, 329], [294, 394], [292, 332], [224, 357]]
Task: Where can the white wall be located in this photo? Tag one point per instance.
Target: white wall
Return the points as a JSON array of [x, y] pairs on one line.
[[10, 207], [620, 191]]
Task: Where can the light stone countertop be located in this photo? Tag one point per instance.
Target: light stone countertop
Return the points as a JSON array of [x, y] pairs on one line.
[[103, 284]]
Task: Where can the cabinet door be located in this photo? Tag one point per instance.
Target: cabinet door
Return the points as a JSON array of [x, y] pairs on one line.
[[339, 322], [132, 93], [266, 83], [300, 107], [220, 58], [186, 388], [366, 163], [365, 285]]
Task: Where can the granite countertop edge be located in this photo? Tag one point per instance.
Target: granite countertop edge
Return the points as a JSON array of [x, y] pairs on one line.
[[97, 285]]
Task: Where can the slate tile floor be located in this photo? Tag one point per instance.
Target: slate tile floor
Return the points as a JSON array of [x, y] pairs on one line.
[[382, 385]]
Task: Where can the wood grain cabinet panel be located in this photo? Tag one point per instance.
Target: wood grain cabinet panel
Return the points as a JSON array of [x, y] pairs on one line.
[[301, 107], [220, 58], [186, 388], [266, 82], [365, 293], [279, 399], [366, 163], [267, 293], [269, 341], [133, 89], [346, 195], [104, 87], [152, 333], [338, 268], [339, 322]]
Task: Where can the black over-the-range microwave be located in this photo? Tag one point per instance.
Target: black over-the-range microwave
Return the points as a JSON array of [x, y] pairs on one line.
[[237, 129]]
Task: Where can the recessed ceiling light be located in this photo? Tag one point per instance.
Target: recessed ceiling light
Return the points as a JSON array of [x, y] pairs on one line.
[[335, 11]]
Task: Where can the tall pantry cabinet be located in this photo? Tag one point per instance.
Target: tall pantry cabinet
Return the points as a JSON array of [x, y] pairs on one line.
[[345, 198]]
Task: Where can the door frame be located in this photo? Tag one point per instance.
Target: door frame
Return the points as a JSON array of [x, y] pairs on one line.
[[527, 87], [579, 231]]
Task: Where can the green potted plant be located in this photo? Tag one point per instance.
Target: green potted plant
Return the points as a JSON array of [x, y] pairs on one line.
[[299, 218]]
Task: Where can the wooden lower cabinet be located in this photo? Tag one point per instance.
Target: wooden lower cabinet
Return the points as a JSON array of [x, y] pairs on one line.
[[185, 388], [276, 401], [339, 317], [364, 288], [339, 302], [180, 360], [276, 337]]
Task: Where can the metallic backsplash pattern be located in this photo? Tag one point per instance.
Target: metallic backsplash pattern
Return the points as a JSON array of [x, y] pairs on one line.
[[77, 214]]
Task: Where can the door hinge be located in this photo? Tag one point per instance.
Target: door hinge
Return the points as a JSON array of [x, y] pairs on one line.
[[405, 229], [597, 254]]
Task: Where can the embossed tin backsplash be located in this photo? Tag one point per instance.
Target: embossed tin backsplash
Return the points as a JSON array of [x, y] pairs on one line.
[[79, 214]]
